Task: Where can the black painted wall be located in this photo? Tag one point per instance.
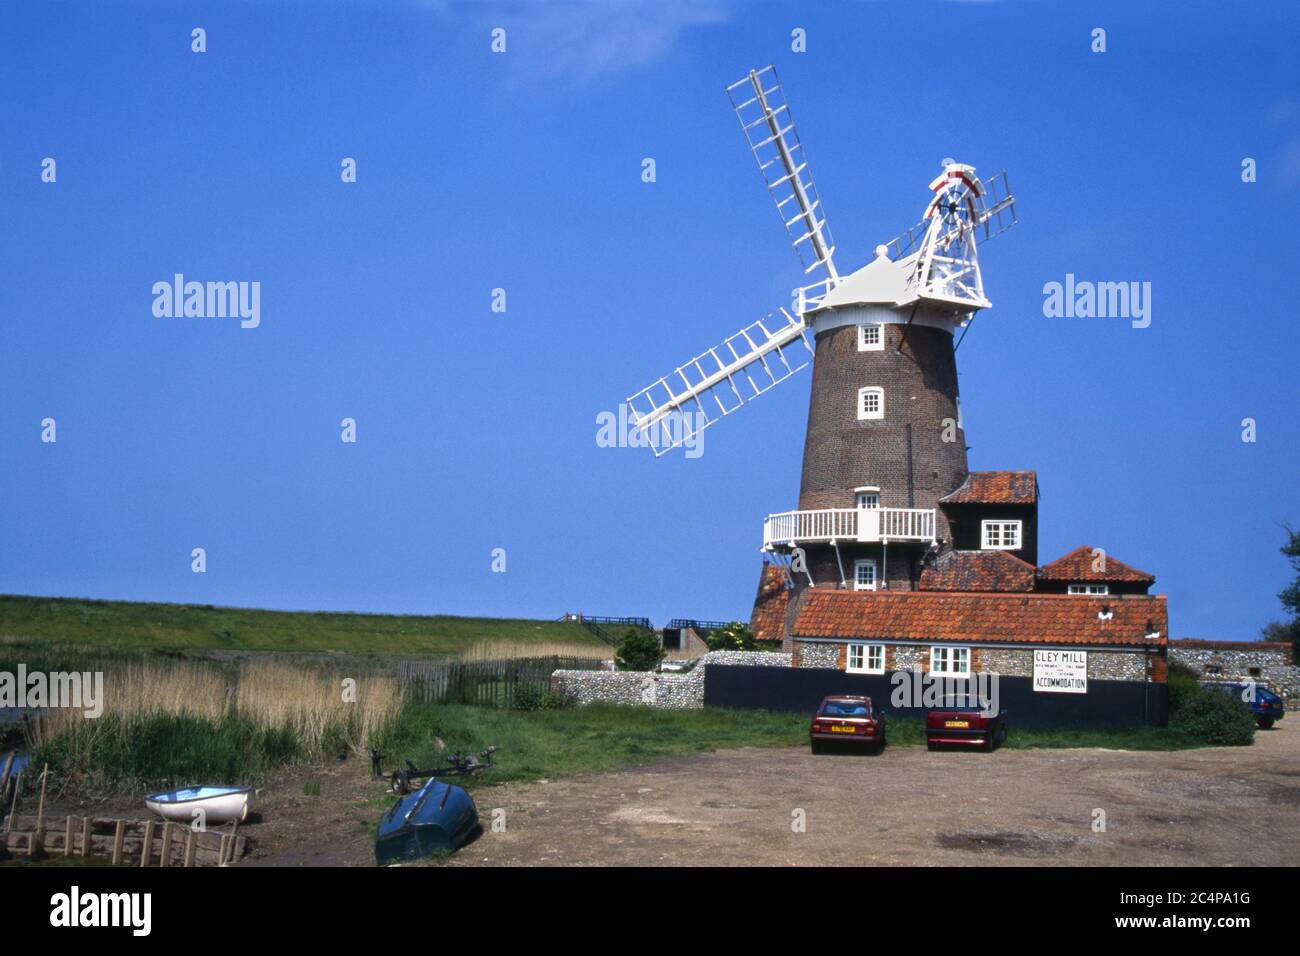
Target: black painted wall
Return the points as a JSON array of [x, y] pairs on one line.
[[1108, 703]]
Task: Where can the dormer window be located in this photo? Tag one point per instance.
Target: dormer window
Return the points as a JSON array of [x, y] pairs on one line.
[[1093, 589], [871, 402], [871, 337], [1000, 535]]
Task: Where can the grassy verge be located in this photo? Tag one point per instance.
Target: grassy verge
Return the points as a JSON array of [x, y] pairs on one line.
[[549, 744], [910, 731], [189, 626]]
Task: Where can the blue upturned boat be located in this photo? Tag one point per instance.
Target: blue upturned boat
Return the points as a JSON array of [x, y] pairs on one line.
[[436, 817]]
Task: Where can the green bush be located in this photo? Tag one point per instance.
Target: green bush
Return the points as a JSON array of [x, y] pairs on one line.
[[1214, 717], [1184, 687], [638, 651], [526, 697], [735, 636], [531, 697]]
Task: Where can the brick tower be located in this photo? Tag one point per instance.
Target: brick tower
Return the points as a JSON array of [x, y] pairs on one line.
[[884, 435]]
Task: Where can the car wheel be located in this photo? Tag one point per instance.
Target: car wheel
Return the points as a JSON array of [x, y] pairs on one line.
[[991, 744], [1266, 722], [817, 747], [931, 745]]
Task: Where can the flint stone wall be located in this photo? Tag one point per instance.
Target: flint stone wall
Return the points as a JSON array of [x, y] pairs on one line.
[[645, 688], [1274, 665]]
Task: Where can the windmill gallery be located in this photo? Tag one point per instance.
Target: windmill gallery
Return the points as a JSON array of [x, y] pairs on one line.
[[899, 557]]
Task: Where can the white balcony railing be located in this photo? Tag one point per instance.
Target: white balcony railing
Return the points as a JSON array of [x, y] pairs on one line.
[[848, 525]]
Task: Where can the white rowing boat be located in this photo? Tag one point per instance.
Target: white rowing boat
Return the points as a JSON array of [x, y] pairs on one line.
[[218, 804]]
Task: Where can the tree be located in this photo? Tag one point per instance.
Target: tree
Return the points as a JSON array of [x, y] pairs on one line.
[[1289, 596], [639, 650], [735, 636]]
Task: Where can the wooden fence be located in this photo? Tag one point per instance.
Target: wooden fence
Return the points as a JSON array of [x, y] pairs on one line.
[[505, 683], [129, 842]]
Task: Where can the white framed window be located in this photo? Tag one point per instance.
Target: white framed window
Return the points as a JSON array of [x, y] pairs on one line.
[[871, 337], [1089, 589], [869, 500], [951, 661], [1000, 535], [864, 574], [871, 402], [866, 658]]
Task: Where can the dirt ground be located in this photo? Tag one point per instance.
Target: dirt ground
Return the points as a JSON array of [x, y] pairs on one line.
[[1222, 806]]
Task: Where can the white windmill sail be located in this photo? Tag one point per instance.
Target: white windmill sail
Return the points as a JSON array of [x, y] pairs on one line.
[[760, 105], [677, 407]]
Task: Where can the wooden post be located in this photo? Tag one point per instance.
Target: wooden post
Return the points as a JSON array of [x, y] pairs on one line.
[[221, 853], [67, 835], [148, 843], [191, 844], [4, 775], [40, 808], [166, 858], [13, 808], [119, 837], [85, 836]]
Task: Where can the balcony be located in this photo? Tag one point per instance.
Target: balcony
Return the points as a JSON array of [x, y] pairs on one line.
[[848, 525]]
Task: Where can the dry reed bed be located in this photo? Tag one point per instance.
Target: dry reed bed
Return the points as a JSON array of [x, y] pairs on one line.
[[308, 701]]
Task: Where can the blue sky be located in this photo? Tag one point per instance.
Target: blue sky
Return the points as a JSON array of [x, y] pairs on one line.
[[476, 430]]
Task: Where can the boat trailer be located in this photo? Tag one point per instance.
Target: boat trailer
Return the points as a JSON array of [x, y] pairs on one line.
[[458, 765]]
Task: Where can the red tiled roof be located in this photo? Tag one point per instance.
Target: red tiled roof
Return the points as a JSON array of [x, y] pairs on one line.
[[1020, 618], [978, 571], [768, 620], [1078, 566], [995, 488]]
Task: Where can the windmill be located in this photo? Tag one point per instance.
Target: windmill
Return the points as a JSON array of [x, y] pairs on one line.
[[885, 438], [936, 260]]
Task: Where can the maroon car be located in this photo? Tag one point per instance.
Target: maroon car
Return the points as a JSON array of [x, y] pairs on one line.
[[965, 726], [846, 720]]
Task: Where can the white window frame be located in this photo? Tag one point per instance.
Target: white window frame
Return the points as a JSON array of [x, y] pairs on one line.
[[875, 580], [865, 654], [948, 655], [868, 500], [863, 413], [1093, 589], [876, 346], [1003, 542]]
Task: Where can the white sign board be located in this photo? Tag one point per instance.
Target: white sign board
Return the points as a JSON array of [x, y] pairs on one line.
[[1061, 672]]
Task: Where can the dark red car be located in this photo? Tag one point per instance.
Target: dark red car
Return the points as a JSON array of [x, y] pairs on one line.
[[846, 720], [965, 726]]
